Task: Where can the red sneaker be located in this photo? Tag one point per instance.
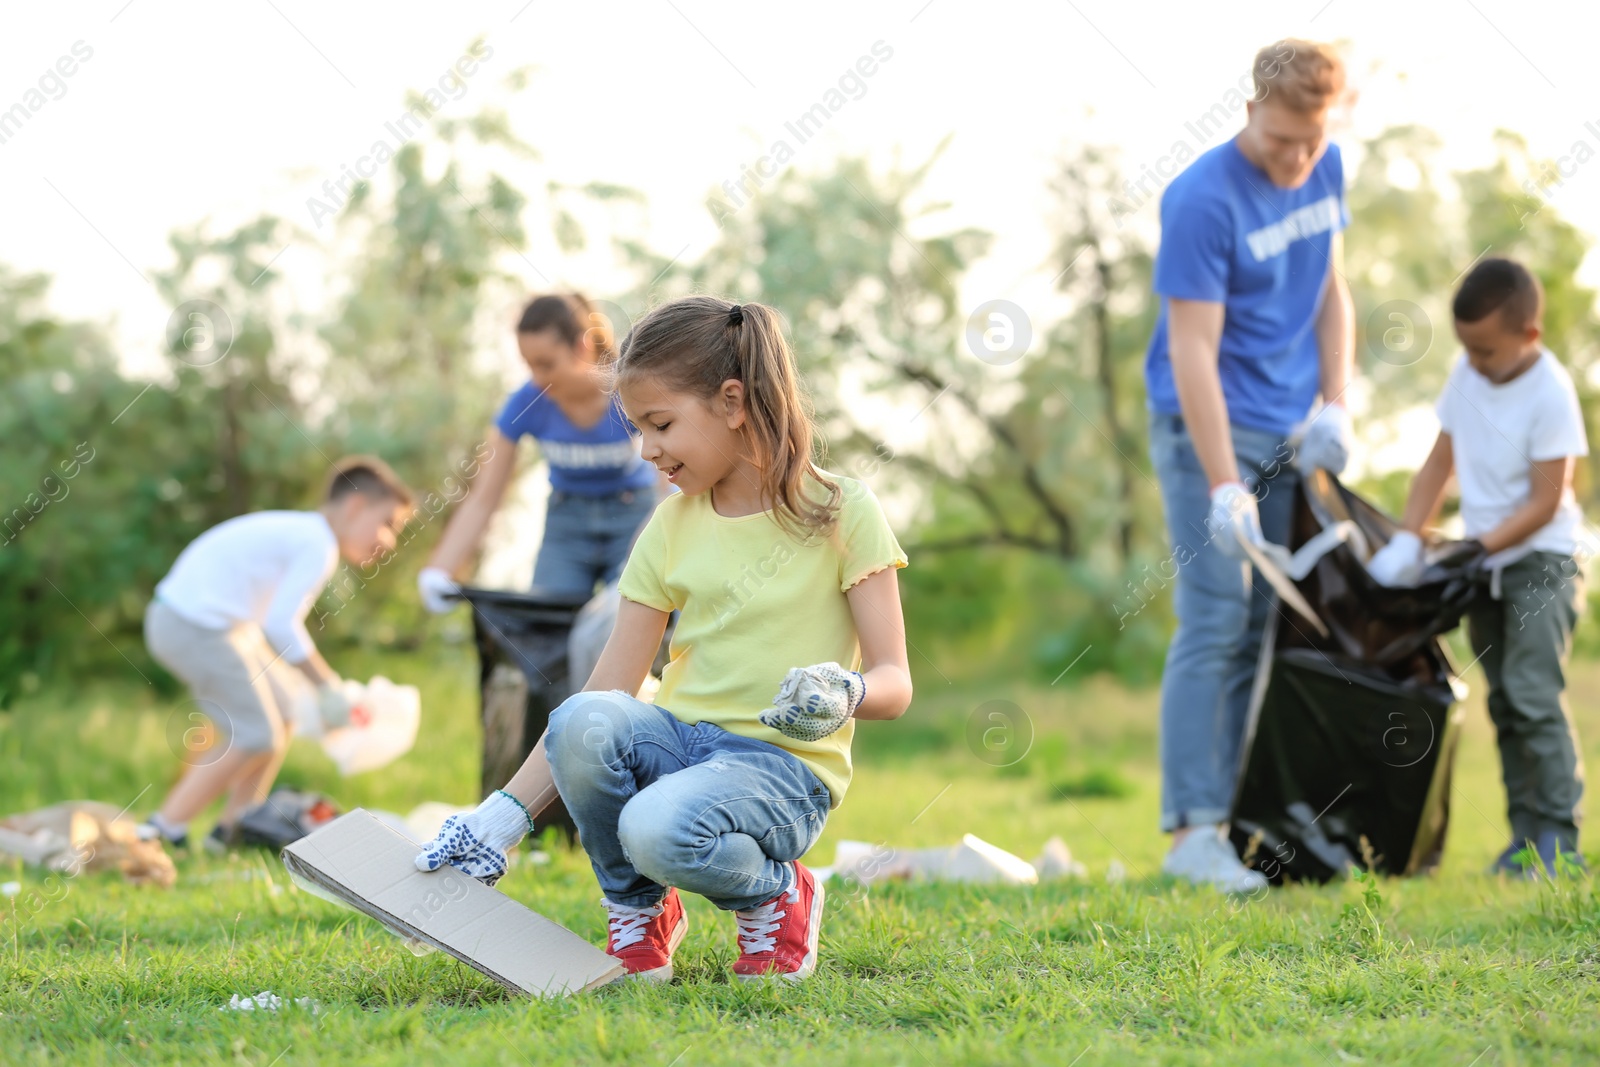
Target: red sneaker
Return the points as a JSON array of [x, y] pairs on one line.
[[780, 936], [644, 939]]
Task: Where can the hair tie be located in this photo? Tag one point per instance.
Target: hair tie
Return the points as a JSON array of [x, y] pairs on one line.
[[736, 315]]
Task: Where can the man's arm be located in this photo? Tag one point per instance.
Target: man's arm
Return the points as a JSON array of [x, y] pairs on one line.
[[1336, 328], [1547, 484], [1194, 329]]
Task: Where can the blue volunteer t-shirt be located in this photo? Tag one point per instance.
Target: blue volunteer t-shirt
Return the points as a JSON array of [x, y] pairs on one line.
[[1229, 236], [598, 461]]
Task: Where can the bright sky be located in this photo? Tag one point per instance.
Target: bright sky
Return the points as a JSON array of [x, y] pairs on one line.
[[185, 111]]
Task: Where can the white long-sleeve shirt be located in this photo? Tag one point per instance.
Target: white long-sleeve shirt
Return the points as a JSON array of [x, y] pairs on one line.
[[267, 568]]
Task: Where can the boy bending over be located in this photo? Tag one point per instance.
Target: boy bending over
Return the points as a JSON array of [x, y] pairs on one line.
[[229, 621]]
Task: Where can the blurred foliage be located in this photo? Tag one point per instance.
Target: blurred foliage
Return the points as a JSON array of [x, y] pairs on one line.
[[1036, 529]]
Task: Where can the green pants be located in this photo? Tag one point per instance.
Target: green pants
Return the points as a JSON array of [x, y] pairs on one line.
[[1523, 641]]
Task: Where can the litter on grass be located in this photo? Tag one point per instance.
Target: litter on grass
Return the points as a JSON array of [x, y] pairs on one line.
[[1055, 861], [266, 1000], [971, 860], [86, 835]]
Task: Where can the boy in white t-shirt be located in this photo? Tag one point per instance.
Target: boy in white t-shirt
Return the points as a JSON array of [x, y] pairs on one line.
[[229, 621], [1511, 429]]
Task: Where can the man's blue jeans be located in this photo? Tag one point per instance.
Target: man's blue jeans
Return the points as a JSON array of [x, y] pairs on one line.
[[1222, 615], [661, 803]]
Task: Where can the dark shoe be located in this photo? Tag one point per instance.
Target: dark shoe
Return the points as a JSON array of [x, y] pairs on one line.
[[221, 840], [1547, 857]]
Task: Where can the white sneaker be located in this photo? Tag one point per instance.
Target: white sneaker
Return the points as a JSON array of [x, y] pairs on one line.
[[1204, 858]]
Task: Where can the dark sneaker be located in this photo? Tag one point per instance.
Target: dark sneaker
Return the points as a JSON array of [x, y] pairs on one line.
[[779, 938], [149, 831], [644, 939], [221, 840], [1548, 857]]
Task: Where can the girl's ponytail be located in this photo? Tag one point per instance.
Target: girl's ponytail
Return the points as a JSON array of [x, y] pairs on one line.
[[697, 343]]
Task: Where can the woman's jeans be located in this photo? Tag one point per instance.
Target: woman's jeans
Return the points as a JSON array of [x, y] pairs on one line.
[[586, 539], [1222, 615], [660, 803]]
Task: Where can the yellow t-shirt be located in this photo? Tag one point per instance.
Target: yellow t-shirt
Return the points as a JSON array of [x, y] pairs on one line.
[[754, 602]]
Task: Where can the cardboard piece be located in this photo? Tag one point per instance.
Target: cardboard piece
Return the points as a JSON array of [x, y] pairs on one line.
[[361, 862]]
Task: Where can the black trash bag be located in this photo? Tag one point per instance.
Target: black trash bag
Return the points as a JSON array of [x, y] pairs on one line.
[[284, 817], [1351, 737], [1373, 623], [523, 675]]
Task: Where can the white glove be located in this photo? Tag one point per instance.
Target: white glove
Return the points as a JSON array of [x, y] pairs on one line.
[[813, 702], [438, 589], [333, 707], [1233, 517], [476, 843], [1398, 563], [1324, 440]]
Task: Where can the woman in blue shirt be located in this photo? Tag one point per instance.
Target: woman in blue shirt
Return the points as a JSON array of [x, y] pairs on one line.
[[601, 491]]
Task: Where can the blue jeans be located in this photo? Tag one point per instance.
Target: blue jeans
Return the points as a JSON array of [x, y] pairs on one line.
[[586, 539], [660, 803], [1222, 615]]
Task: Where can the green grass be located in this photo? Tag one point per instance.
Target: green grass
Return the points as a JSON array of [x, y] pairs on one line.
[[1457, 968]]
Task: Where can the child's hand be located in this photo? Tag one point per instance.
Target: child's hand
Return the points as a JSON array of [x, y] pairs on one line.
[[476, 843], [813, 702], [1398, 563], [333, 706]]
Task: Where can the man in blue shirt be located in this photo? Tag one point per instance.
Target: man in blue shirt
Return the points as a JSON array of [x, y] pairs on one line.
[[1255, 321]]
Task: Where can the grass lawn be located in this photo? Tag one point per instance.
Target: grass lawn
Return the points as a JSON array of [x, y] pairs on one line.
[[1458, 968]]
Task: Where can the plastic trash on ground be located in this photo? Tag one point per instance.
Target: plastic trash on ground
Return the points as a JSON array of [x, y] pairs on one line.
[[266, 1000], [972, 860], [285, 816], [86, 835], [1055, 861]]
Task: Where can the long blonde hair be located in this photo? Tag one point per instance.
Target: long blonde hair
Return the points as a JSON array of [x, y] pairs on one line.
[[693, 345]]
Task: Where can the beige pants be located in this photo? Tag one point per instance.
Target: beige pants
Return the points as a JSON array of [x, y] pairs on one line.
[[241, 686]]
